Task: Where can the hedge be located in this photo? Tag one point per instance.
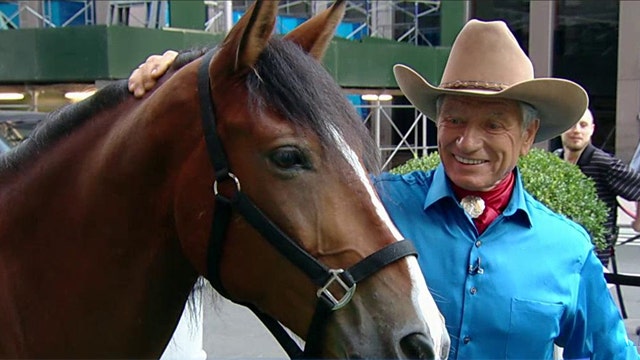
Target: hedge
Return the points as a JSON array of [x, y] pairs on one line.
[[559, 185]]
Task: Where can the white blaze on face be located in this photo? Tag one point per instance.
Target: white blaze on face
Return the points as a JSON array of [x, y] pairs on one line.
[[428, 308], [420, 294]]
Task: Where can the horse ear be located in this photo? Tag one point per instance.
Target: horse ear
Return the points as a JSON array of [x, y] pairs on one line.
[[315, 34], [251, 34]]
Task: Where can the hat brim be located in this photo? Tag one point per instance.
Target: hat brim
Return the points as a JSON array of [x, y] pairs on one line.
[[560, 103]]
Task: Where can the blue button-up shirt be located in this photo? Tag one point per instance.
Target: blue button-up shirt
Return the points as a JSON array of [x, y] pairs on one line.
[[531, 279]]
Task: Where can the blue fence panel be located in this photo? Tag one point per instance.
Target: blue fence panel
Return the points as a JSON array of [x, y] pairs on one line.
[[8, 17], [61, 11], [357, 102], [349, 28], [284, 24]]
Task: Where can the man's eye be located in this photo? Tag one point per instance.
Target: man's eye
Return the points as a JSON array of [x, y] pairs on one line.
[[289, 158], [450, 121]]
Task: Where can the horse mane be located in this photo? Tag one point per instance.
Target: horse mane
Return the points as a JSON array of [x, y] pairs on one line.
[[285, 79], [61, 122], [299, 88], [64, 120]]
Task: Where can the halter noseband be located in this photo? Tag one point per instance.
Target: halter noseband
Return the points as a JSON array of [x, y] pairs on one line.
[[320, 274]]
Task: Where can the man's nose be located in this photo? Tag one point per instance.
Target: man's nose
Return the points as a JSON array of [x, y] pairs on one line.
[[470, 139]]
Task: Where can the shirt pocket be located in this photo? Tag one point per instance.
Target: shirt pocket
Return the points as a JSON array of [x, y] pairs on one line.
[[533, 326]]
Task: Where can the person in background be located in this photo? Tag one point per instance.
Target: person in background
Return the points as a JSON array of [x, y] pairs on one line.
[[611, 176], [511, 277]]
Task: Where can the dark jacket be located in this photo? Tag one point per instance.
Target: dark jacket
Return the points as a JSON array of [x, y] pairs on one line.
[[612, 178]]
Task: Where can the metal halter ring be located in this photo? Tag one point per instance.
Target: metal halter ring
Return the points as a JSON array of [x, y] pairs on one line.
[[230, 175], [349, 291]]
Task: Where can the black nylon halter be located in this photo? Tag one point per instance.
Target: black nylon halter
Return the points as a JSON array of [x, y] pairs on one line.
[[320, 274]]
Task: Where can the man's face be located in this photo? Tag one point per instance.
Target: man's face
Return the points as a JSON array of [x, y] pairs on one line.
[[579, 136], [480, 140]]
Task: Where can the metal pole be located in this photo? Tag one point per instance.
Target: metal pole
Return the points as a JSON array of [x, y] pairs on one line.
[[228, 15], [376, 124], [424, 134]]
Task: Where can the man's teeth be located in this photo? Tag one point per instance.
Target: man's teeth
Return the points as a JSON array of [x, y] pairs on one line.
[[469, 161]]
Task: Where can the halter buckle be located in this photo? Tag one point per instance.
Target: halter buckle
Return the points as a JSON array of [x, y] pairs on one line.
[[231, 176], [326, 294]]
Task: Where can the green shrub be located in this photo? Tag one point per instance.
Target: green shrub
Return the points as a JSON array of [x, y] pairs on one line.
[[559, 185]]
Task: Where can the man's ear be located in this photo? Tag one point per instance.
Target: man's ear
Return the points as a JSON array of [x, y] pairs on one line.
[[529, 136]]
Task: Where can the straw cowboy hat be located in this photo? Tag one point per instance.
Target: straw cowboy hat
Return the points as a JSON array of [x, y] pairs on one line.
[[486, 61]]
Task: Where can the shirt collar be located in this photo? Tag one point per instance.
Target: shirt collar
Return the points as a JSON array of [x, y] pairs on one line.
[[586, 155], [440, 188], [518, 203]]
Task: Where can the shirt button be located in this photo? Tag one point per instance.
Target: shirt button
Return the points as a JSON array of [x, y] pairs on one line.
[[478, 243], [466, 340], [473, 291]]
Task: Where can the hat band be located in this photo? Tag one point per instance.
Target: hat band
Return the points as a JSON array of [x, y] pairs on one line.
[[473, 84]]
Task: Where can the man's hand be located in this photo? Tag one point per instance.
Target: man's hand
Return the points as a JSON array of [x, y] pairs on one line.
[[144, 78]]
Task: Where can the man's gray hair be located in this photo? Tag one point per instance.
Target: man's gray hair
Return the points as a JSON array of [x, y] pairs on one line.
[[529, 113]]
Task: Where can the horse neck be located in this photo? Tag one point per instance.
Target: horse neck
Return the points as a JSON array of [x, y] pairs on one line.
[[136, 144], [94, 212]]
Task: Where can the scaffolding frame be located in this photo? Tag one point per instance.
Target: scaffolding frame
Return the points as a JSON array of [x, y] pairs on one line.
[[42, 12]]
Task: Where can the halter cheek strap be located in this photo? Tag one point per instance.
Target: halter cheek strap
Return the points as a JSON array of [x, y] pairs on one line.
[[325, 278]]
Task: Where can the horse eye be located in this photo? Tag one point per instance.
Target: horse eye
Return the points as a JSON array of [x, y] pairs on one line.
[[289, 158]]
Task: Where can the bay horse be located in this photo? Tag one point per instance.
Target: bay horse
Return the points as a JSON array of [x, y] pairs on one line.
[[247, 167]]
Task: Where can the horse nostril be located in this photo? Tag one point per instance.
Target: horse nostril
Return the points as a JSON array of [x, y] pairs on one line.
[[417, 346]]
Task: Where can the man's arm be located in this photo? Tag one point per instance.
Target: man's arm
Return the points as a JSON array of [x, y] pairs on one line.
[[625, 182], [595, 329], [144, 78]]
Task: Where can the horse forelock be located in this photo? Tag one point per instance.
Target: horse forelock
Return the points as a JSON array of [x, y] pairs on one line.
[[298, 87]]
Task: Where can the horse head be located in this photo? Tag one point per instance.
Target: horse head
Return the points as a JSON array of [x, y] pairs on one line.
[[299, 155], [118, 205]]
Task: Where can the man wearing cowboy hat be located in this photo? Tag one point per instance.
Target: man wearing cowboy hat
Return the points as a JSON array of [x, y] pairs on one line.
[[511, 277]]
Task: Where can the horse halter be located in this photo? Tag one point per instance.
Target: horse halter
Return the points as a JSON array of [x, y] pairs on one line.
[[319, 274]]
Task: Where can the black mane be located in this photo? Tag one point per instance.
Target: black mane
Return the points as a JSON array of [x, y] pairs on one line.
[[63, 121]]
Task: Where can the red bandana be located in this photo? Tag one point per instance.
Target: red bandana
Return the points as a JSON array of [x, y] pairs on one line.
[[495, 200]]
